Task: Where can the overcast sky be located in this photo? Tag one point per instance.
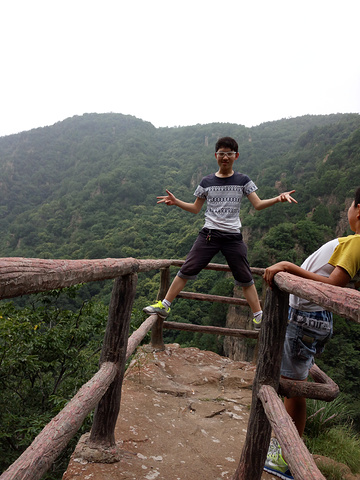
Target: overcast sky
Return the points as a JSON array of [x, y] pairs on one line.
[[177, 62]]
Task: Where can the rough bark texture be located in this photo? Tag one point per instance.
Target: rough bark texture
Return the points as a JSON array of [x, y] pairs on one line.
[[220, 267], [203, 297], [271, 339], [114, 350], [234, 332], [301, 463], [139, 334], [20, 276], [46, 447], [325, 389], [157, 340], [343, 301]]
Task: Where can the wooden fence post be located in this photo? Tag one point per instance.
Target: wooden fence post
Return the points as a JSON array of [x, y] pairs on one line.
[[114, 350], [300, 460], [271, 341], [157, 340]]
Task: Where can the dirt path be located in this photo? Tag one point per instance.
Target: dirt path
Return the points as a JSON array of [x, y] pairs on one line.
[[183, 416]]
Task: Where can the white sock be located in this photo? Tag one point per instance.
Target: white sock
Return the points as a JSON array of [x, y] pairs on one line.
[[166, 303], [257, 313]]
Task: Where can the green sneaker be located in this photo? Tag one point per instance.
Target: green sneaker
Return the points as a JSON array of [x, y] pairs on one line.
[[157, 308], [257, 321], [275, 463]]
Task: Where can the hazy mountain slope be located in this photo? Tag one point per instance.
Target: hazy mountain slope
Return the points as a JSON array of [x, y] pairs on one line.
[[87, 186]]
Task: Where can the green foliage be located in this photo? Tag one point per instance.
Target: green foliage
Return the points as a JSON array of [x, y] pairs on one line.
[[339, 443], [329, 432], [341, 360], [47, 353], [322, 416], [86, 188]]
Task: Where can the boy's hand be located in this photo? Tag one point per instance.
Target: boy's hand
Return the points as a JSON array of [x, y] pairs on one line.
[[286, 197], [168, 199], [270, 272]]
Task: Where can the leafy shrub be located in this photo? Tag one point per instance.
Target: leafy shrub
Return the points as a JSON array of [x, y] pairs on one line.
[[47, 352]]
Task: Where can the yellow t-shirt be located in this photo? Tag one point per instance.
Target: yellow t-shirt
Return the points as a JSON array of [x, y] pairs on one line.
[[347, 254], [343, 252]]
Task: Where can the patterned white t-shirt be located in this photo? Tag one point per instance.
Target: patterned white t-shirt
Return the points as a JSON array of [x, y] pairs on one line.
[[223, 198]]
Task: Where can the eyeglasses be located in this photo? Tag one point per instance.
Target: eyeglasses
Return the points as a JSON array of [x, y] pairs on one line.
[[228, 154]]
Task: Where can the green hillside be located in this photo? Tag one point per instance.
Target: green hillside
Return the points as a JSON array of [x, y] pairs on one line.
[[86, 187]]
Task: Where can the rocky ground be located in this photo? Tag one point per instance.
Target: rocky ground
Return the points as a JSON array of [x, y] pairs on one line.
[[183, 416]]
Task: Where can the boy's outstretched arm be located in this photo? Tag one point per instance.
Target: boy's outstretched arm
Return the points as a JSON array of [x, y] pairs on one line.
[[338, 277], [259, 204], [170, 199]]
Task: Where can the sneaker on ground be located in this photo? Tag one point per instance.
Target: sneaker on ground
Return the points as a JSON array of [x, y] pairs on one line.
[[257, 321], [275, 464], [157, 308]]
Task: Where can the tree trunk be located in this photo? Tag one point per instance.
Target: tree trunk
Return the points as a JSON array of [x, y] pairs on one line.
[[271, 341], [297, 456], [114, 350], [157, 339]]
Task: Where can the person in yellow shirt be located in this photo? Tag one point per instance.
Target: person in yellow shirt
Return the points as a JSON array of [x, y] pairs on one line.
[[310, 326]]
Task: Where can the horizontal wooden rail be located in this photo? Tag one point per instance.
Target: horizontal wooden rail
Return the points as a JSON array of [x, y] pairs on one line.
[[44, 450], [325, 389], [204, 297], [300, 461], [22, 276], [139, 334], [230, 332], [220, 267], [343, 301]]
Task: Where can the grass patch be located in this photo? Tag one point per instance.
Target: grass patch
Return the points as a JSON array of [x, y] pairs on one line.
[[322, 416], [329, 432], [339, 443], [331, 472]]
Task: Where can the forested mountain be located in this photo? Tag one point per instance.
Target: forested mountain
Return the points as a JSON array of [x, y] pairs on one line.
[[86, 187]]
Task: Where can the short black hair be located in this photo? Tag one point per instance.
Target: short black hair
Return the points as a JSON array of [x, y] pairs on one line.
[[227, 142], [357, 197]]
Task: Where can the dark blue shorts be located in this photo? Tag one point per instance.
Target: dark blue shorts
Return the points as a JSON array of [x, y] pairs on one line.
[[306, 335], [207, 245]]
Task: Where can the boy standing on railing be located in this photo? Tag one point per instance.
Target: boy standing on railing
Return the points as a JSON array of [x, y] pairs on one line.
[[337, 263], [223, 192]]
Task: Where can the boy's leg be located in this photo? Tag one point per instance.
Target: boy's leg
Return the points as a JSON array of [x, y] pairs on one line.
[[235, 252], [175, 288], [199, 256], [296, 408], [251, 296]]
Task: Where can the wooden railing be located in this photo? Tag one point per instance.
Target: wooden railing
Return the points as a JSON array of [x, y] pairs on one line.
[[19, 276], [267, 411]]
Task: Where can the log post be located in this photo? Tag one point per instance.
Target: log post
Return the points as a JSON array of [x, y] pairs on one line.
[[157, 339], [301, 463], [326, 389], [271, 341], [114, 350], [262, 303]]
